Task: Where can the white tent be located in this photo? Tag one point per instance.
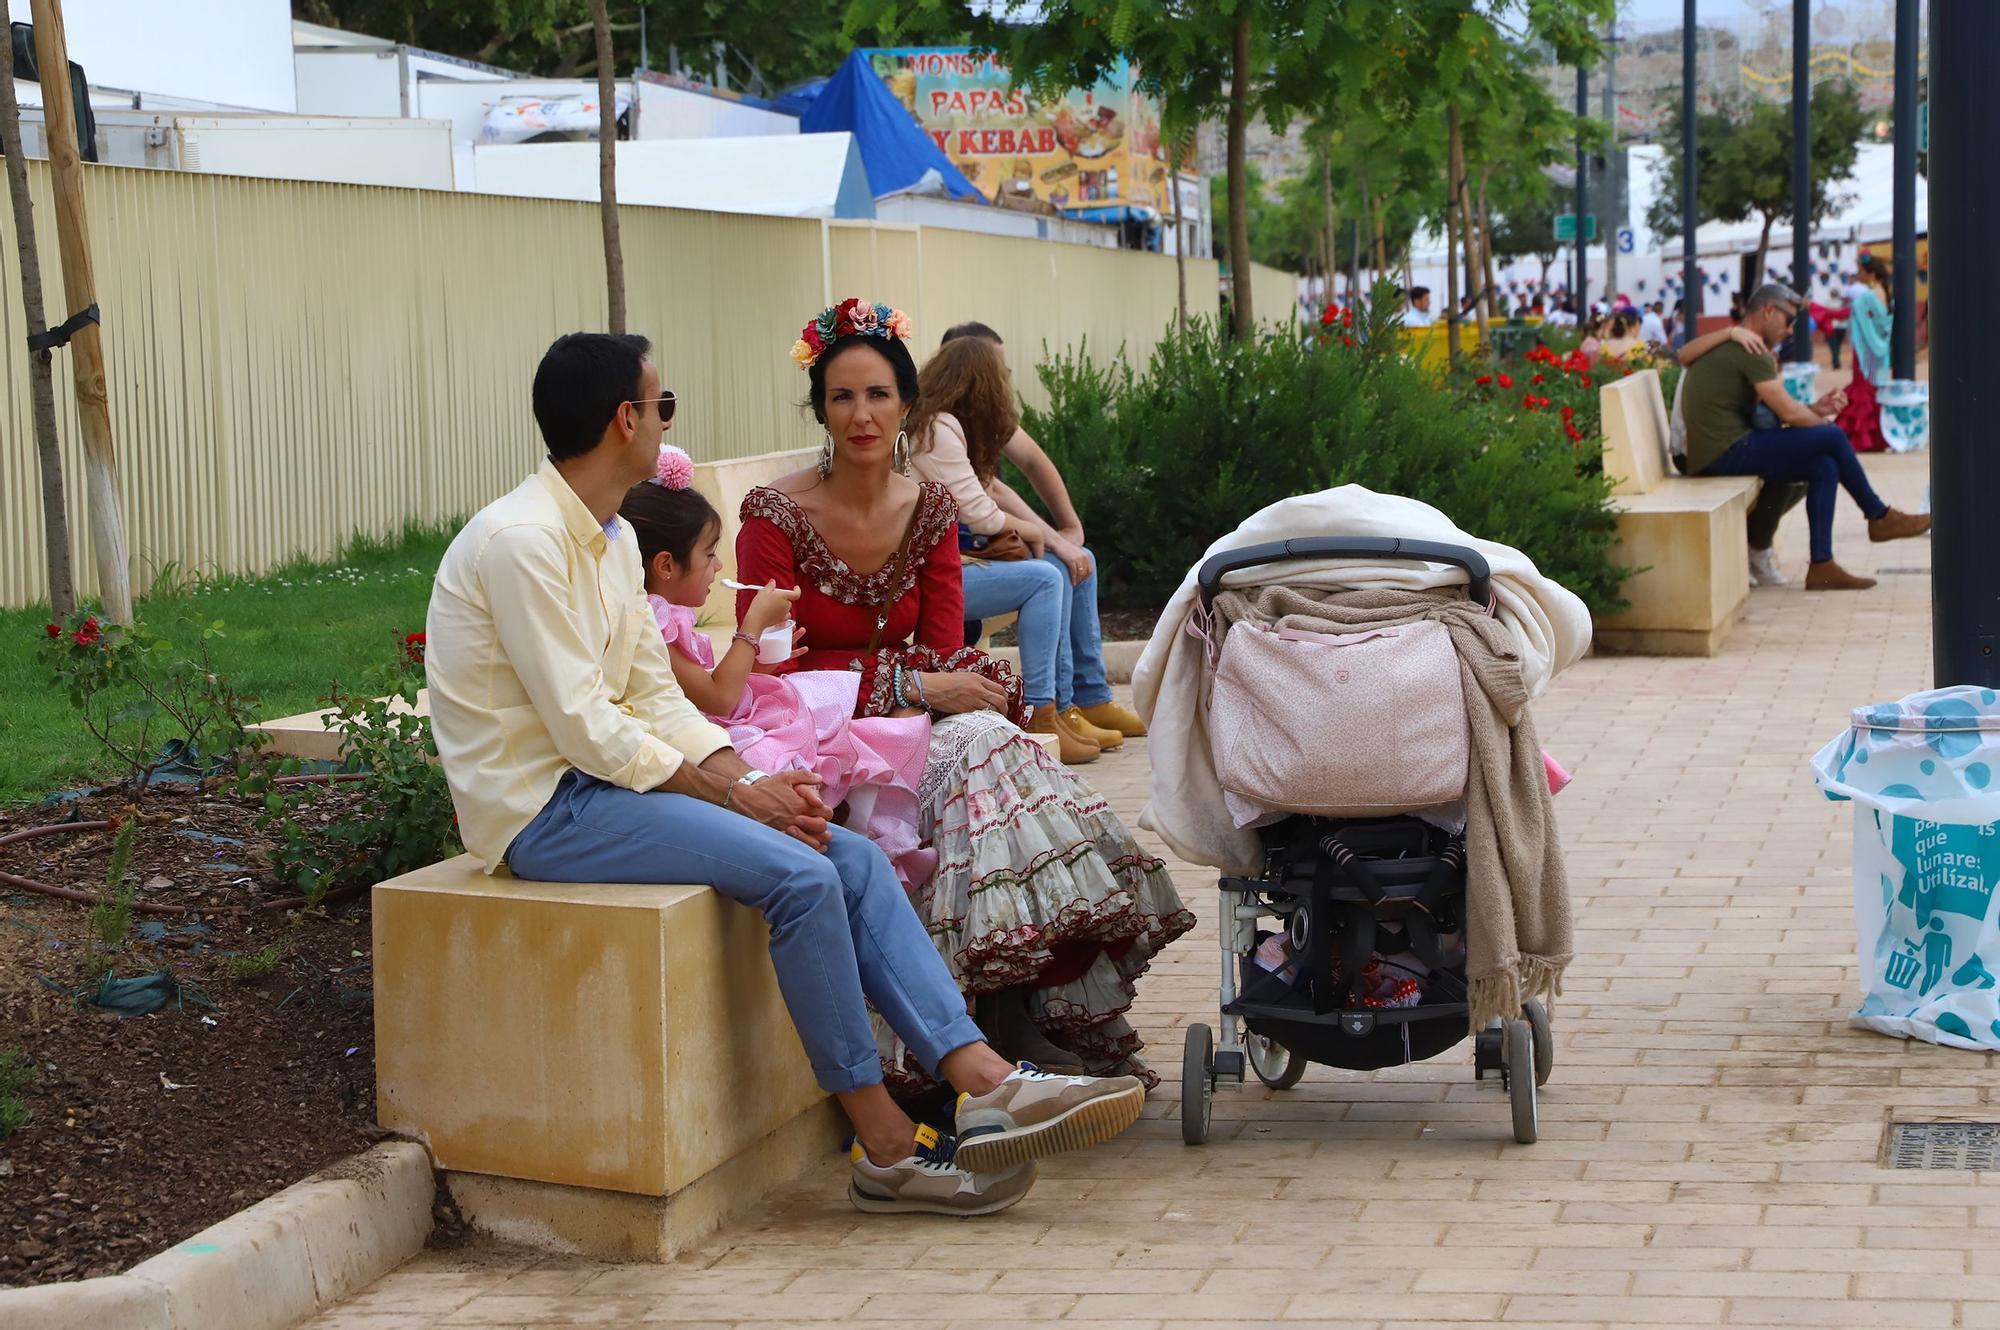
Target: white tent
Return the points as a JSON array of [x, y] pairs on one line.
[[777, 175], [1866, 213]]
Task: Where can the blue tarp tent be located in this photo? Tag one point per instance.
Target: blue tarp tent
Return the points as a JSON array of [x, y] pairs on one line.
[[899, 156]]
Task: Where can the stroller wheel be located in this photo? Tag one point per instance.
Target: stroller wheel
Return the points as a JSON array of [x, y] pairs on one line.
[[1197, 1084], [1520, 1037], [1275, 1065], [1487, 1053], [1537, 1017]]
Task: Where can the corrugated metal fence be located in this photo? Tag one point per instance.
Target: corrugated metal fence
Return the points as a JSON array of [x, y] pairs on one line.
[[291, 363]]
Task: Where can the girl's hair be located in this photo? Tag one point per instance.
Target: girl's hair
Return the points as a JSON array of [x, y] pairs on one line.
[[892, 349], [668, 521], [968, 378]]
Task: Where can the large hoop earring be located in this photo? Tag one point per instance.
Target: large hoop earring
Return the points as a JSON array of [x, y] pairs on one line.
[[900, 458], [826, 455]]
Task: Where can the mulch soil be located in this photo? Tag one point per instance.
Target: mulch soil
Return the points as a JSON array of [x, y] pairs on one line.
[[147, 1129]]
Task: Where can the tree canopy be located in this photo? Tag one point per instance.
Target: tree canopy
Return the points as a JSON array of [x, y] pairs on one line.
[[775, 41], [1743, 163]]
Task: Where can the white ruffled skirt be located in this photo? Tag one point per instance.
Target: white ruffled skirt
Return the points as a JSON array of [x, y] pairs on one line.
[[1035, 874]]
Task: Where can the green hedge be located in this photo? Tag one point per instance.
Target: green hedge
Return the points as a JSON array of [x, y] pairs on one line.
[[1163, 462]]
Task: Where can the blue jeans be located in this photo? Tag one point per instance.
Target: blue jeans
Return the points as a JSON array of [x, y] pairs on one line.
[[841, 927], [1062, 646], [1821, 457]]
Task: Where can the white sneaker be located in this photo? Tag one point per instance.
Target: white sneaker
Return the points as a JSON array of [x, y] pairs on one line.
[[1764, 569]]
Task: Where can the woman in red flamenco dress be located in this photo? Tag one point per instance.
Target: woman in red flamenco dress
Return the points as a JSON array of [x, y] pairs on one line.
[[1043, 905]]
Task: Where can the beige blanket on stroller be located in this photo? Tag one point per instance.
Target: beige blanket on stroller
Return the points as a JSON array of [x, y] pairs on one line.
[[1517, 894]]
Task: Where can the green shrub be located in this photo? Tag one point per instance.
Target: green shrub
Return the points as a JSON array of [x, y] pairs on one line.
[[149, 701], [111, 917], [1162, 463], [400, 817], [16, 1071], [254, 965]]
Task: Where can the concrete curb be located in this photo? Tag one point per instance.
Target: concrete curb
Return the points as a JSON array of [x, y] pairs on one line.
[[265, 1268], [1120, 659]]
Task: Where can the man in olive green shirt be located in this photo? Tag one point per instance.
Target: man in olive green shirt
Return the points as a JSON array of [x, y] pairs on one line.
[[1726, 381]]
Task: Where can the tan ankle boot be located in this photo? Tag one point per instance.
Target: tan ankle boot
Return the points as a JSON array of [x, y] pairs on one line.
[[1115, 716], [1107, 740], [1897, 525], [1072, 747], [1830, 576]]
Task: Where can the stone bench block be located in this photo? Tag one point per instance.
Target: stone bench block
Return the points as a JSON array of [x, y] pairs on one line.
[[608, 1042], [1684, 535], [1687, 539]]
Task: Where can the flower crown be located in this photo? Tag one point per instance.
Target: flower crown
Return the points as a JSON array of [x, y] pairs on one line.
[[850, 318], [675, 470]]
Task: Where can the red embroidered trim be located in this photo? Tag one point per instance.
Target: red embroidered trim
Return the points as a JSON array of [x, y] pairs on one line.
[[937, 515]]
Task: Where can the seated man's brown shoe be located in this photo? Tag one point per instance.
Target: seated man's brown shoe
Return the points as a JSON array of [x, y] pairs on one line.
[[1115, 716], [1830, 576], [1071, 746], [1897, 525], [1107, 740]]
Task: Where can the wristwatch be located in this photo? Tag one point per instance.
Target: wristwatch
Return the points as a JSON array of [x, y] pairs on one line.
[[750, 777]]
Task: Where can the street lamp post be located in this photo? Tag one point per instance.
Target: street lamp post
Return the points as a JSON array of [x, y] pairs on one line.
[[1690, 267], [1801, 349], [1903, 336], [1965, 393]]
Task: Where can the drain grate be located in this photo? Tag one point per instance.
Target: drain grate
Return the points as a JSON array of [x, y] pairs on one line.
[[1955, 1145]]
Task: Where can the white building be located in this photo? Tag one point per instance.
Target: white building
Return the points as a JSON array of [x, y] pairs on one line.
[[238, 87]]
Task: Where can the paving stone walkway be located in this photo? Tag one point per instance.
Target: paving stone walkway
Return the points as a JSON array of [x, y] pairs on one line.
[[1711, 1139]]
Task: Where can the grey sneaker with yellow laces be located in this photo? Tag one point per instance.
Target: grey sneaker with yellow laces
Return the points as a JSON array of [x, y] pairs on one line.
[[932, 1182]]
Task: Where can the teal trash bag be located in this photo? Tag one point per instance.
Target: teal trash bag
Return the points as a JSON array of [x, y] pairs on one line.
[[1906, 415], [1801, 378], [1922, 776]]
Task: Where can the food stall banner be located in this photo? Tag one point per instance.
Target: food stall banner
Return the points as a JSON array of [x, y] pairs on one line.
[[1088, 148]]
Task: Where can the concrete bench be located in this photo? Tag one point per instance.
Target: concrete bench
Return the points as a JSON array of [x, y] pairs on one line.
[[725, 484], [607, 1070], [307, 736], [1684, 534]]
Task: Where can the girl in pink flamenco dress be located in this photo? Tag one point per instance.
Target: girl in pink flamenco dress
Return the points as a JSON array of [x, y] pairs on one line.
[[871, 766]]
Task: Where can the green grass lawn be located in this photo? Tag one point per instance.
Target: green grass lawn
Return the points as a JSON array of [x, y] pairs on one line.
[[285, 638]]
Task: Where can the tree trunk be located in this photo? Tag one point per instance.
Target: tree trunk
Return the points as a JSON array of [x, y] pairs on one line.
[[41, 372], [1454, 146], [607, 165], [93, 400], [1354, 263], [1243, 317], [1332, 220], [1180, 233], [1486, 240], [1475, 248]]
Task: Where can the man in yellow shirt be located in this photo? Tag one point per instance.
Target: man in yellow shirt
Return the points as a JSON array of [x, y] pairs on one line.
[[573, 756]]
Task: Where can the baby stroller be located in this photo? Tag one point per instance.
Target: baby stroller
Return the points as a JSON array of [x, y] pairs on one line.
[[1365, 969]]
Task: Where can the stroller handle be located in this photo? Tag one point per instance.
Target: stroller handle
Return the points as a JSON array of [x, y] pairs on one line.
[[1218, 566]]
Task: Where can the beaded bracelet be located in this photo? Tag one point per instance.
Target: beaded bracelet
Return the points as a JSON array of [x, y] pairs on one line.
[[896, 687]]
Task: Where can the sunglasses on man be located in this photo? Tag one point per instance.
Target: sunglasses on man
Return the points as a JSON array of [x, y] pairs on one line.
[[664, 404]]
